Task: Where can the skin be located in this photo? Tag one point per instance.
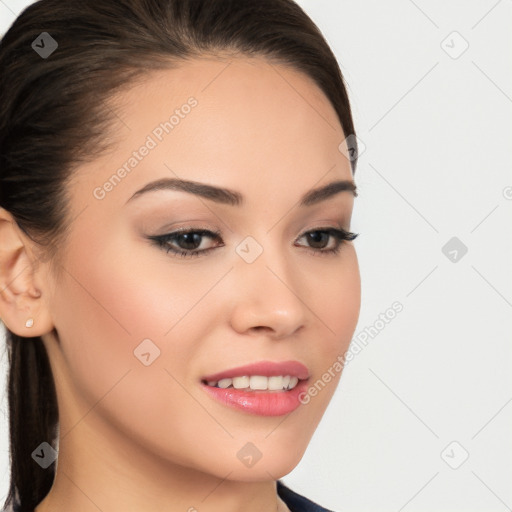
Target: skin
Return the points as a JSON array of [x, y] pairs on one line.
[[148, 438]]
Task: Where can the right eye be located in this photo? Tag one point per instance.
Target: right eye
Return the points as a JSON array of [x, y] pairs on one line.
[[186, 242]]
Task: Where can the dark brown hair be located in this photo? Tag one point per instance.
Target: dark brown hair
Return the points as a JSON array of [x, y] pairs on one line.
[[54, 115]]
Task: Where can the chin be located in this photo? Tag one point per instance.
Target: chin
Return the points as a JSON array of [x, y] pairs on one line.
[[261, 474], [271, 467], [251, 465]]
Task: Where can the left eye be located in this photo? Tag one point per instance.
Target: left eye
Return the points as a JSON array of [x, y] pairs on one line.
[[187, 243], [319, 238]]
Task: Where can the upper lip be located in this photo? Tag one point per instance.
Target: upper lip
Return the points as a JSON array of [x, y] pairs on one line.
[[264, 368]]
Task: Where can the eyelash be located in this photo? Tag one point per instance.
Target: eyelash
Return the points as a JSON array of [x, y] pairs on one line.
[[162, 241]]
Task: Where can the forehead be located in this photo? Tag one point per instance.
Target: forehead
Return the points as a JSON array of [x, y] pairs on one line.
[[238, 122]]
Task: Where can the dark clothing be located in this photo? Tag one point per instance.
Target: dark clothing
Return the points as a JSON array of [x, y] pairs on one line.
[[296, 502]]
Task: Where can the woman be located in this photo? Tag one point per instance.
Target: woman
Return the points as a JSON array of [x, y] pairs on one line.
[[178, 280]]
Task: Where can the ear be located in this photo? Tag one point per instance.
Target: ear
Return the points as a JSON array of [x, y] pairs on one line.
[[21, 295]]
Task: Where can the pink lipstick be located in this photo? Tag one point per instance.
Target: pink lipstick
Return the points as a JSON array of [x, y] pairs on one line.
[[265, 388]]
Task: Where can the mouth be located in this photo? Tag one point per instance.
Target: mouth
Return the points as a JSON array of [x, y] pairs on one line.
[[274, 383], [265, 388]]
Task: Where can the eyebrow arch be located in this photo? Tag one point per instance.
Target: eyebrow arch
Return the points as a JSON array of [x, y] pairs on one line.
[[233, 198]]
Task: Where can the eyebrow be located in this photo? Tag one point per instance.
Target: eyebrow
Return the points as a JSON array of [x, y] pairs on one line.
[[234, 198]]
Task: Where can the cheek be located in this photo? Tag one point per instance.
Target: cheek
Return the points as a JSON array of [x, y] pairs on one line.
[[108, 305], [105, 311], [336, 305], [337, 301]]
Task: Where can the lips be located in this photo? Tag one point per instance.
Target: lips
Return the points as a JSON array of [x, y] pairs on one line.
[[260, 403], [263, 368], [268, 402]]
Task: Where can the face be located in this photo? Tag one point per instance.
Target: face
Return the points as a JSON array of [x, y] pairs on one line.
[[142, 318]]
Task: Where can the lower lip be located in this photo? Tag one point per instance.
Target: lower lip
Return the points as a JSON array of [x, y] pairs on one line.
[[262, 403]]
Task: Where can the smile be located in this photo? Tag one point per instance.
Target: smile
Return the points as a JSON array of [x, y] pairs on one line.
[[265, 388], [257, 382]]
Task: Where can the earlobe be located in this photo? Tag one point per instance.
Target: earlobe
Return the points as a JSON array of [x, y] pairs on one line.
[[22, 308]]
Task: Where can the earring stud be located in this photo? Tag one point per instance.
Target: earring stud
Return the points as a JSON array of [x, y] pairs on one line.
[[29, 322]]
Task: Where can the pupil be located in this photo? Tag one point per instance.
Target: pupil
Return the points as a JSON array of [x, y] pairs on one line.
[[191, 241], [318, 237]]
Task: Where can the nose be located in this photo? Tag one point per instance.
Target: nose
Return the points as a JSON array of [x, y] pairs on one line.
[[268, 297]]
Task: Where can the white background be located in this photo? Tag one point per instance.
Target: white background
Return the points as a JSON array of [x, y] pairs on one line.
[[437, 164]]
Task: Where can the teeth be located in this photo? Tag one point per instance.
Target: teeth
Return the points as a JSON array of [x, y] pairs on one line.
[[275, 383], [224, 383], [241, 382], [257, 382]]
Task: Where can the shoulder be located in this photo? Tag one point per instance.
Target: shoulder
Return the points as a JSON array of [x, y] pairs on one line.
[[296, 502]]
